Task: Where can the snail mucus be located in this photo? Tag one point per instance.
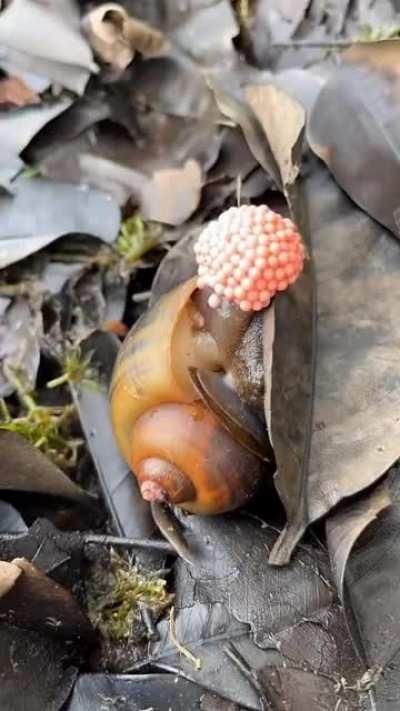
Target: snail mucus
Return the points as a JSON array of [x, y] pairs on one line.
[[182, 450]]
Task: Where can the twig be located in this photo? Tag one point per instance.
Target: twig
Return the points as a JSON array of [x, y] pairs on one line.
[[128, 542], [196, 661], [93, 538], [250, 674], [147, 618], [305, 44]]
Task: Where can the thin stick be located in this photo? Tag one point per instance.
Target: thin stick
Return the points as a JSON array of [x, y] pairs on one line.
[[305, 44], [196, 661], [147, 618], [128, 542], [93, 538], [234, 655]]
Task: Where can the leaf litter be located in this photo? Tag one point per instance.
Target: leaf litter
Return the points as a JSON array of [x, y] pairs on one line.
[[132, 127]]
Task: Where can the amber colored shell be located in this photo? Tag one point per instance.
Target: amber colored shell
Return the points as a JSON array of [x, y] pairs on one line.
[[224, 474], [143, 374]]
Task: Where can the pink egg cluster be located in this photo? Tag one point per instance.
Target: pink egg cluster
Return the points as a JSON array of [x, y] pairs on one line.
[[247, 255]]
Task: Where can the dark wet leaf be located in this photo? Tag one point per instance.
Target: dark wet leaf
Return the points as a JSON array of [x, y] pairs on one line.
[[11, 520], [214, 26], [363, 543], [24, 468], [230, 602], [135, 693], [202, 29], [53, 552], [34, 669], [43, 210], [129, 512], [172, 85], [65, 57], [364, 158], [35, 601], [178, 265], [294, 327], [20, 333], [354, 333], [92, 297], [109, 160]]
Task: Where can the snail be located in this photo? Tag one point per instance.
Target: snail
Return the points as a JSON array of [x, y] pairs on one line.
[[181, 450]]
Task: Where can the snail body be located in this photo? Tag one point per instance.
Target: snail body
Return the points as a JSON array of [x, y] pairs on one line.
[[179, 450], [181, 423]]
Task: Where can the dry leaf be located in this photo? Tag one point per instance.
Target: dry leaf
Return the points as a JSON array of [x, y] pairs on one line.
[[14, 92], [9, 574], [173, 194], [360, 142], [282, 119], [32, 600], [116, 37]]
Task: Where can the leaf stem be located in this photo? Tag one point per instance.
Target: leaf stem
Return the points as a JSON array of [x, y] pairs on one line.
[[196, 661]]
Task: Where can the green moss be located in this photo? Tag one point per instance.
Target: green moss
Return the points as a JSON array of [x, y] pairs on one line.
[[136, 238], [77, 369], [48, 428], [31, 171], [376, 34], [115, 598]]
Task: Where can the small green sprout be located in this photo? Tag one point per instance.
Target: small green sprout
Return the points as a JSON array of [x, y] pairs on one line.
[[48, 428], [31, 171], [136, 238], [379, 33], [77, 369], [115, 598]]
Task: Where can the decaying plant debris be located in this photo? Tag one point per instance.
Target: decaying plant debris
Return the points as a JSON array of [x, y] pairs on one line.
[[125, 133]]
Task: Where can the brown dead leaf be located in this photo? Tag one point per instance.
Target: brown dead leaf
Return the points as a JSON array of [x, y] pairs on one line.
[[172, 194], [9, 574], [116, 37], [32, 600], [282, 119], [14, 92]]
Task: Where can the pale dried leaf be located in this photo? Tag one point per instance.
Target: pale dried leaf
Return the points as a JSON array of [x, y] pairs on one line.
[[282, 119], [173, 194], [9, 574], [116, 37], [14, 92]]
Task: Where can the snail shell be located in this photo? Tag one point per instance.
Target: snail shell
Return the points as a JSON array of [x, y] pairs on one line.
[[179, 450]]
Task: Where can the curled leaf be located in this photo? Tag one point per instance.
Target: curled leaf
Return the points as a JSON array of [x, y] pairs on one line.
[[116, 37], [282, 119]]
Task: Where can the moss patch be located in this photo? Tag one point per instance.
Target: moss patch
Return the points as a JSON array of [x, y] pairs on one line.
[[116, 595]]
